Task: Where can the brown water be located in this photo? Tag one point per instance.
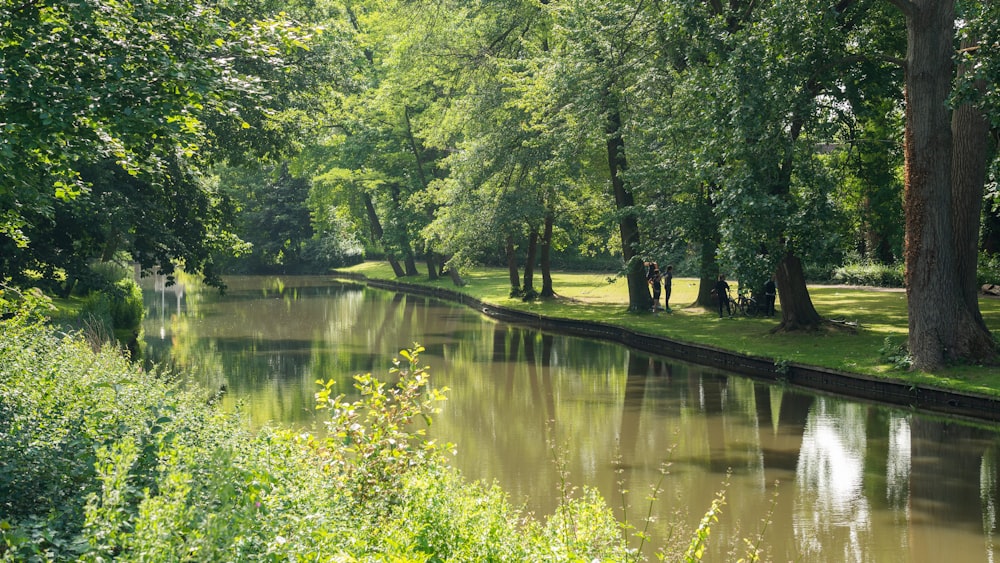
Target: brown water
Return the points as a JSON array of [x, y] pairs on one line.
[[832, 479]]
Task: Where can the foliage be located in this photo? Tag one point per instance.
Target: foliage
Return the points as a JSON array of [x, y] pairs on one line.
[[127, 308], [100, 460], [989, 269], [870, 273], [896, 354], [110, 112], [372, 443]]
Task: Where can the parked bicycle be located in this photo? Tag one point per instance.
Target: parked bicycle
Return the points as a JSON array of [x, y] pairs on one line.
[[745, 304]]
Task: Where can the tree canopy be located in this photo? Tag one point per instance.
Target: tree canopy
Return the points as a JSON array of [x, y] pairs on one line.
[[751, 138]]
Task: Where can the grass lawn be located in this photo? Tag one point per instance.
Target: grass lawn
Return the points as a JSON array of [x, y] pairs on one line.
[[600, 297]]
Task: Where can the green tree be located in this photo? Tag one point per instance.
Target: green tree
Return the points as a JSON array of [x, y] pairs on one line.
[[946, 154], [148, 92]]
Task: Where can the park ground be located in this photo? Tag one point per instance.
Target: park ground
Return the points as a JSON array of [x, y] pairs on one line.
[[867, 339]]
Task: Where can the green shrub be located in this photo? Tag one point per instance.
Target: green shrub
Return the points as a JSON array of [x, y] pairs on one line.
[[988, 271], [102, 275], [126, 306], [819, 273], [870, 274], [100, 461], [95, 319]]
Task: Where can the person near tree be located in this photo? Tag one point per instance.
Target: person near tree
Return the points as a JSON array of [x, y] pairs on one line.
[[668, 278], [653, 278], [770, 292], [722, 292]]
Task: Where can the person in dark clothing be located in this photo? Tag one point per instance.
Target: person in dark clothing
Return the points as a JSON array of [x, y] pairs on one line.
[[668, 278], [770, 292], [653, 278], [722, 292]]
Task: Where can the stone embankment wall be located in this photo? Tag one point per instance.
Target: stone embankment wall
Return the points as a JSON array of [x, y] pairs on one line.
[[856, 386]]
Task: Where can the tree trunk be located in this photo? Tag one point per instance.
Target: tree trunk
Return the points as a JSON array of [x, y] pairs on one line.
[[970, 159], [941, 327], [529, 266], [708, 274], [515, 279], [377, 234], [797, 310], [708, 267], [432, 269], [639, 298], [456, 278], [546, 258], [411, 264]]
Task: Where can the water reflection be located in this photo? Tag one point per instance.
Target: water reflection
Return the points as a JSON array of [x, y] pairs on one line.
[[854, 482]]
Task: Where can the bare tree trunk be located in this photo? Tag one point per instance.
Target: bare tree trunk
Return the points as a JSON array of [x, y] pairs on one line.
[[456, 278], [515, 279], [708, 267], [378, 234], [970, 159], [797, 310], [941, 327], [432, 268], [546, 258], [411, 264], [529, 266], [639, 298]]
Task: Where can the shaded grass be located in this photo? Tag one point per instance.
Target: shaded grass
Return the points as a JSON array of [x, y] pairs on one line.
[[879, 314]]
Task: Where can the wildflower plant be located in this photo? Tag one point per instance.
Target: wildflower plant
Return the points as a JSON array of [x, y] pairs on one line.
[[372, 443]]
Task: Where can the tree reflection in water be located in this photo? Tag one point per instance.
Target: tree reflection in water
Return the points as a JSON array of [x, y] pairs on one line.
[[856, 481]]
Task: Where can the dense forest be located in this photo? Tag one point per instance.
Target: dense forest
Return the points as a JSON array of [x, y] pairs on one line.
[[752, 138]]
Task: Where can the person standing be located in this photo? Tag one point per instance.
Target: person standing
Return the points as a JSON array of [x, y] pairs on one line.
[[722, 292], [770, 292], [653, 276], [668, 278]]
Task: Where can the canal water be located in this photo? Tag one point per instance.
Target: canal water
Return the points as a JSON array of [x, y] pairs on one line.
[[818, 478]]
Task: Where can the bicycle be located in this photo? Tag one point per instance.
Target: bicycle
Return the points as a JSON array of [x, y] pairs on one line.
[[745, 304]]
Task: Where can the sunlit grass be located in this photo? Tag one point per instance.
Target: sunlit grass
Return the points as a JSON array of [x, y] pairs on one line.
[[877, 315]]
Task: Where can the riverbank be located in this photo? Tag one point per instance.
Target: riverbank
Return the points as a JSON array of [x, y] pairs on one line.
[[860, 363]]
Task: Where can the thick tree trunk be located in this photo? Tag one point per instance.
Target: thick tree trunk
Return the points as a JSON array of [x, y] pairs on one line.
[[432, 267], [411, 264], [941, 327], [970, 158], [529, 266], [639, 298], [797, 310], [512, 271], [708, 273], [546, 258]]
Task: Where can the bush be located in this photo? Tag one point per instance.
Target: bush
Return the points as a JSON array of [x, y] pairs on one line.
[[870, 274], [988, 271], [126, 306], [100, 460], [818, 273]]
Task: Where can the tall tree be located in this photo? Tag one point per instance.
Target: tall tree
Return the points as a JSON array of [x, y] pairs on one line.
[[597, 43], [944, 325], [147, 88]]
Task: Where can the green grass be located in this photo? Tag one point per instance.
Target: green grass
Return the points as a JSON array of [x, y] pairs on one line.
[[878, 313]]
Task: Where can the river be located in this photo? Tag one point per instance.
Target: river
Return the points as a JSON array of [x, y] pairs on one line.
[[831, 479]]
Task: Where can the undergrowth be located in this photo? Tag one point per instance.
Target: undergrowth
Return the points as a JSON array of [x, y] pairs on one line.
[[101, 460]]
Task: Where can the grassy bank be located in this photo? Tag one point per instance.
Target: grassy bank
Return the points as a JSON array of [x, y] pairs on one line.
[[880, 315]]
